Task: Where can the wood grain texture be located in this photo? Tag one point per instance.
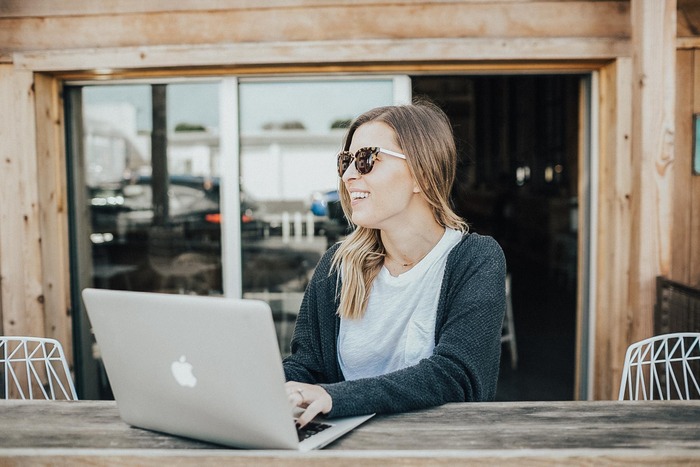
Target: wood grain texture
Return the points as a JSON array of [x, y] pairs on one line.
[[21, 293], [653, 98], [682, 186], [53, 209], [25, 8], [107, 61], [524, 433], [694, 256], [613, 313], [320, 21]]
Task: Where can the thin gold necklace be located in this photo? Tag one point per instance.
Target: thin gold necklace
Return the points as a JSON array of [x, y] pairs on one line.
[[411, 263]]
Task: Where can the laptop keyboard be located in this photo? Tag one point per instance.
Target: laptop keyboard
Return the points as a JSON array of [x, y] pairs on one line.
[[311, 429]]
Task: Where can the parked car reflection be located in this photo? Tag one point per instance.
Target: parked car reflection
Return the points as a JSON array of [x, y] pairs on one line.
[[123, 211], [331, 219]]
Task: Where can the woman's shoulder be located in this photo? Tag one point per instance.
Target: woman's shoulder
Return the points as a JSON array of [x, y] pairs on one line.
[[325, 263], [327, 257], [475, 248], [475, 242]]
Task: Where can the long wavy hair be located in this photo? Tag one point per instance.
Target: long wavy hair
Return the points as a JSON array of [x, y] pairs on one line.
[[424, 134]]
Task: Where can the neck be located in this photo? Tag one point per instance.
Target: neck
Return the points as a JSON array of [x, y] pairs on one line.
[[408, 248]]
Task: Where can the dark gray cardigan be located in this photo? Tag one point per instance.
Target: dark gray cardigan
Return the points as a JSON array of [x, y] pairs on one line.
[[464, 364]]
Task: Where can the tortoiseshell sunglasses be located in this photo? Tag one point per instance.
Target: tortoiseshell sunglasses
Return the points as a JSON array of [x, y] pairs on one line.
[[364, 159]]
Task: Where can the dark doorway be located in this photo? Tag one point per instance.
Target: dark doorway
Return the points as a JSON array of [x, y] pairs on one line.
[[518, 141]]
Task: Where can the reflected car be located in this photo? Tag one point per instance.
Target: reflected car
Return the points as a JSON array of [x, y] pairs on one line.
[[320, 201], [333, 223], [124, 210], [327, 204]]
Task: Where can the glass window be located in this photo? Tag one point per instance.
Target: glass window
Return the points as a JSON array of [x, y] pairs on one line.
[[152, 171], [290, 133]]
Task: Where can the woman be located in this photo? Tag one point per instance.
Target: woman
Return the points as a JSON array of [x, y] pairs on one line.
[[406, 312]]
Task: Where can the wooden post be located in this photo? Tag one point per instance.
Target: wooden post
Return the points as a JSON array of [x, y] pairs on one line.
[[693, 258], [53, 206], [614, 229], [21, 294], [683, 195], [653, 119]]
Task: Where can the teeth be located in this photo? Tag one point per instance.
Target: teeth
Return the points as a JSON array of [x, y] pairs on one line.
[[358, 195]]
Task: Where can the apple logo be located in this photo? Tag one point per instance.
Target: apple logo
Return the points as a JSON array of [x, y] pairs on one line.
[[182, 371]]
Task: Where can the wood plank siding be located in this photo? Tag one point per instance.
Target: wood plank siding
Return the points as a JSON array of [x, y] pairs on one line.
[[645, 55]]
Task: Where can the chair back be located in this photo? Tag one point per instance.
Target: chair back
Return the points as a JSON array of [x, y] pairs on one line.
[[34, 368], [662, 367]]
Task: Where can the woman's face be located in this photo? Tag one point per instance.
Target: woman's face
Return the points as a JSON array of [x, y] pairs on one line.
[[383, 198]]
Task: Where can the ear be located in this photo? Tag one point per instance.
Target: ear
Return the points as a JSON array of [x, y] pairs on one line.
[[416, 188]]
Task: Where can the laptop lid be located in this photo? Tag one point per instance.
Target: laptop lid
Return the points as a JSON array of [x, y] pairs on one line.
[[208, 368]]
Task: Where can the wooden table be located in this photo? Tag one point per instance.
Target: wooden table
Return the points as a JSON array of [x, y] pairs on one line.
[[523, 433]]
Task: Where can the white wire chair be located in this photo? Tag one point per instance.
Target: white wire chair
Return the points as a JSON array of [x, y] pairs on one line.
[[662, 367], [34, 368]]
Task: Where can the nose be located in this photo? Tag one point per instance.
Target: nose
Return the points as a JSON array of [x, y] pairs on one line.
[[351, 172]]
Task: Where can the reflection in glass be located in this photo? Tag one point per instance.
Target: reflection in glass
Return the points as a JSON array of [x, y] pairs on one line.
[[132, 247], [290, 132], [152, 155]]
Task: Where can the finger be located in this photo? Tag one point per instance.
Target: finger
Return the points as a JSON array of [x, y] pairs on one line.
[[297, 396], [310, 413], [293, 399]]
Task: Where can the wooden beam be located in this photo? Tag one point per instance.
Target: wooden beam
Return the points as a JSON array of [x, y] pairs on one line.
[[53, 210], [38, 8], [21, 291], [108, 61], [688, 43], [653, 120], [682, 185], [614, 229], [292, 69], [694, 256], [306, 21]]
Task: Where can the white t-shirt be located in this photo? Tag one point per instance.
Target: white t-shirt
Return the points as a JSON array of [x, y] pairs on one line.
[[398, 328]]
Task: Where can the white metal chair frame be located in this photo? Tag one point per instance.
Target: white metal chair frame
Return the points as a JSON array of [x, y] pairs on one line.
[[651, 368], [35, 368], [508, 327]]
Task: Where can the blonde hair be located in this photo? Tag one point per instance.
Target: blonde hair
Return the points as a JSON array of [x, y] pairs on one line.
[[424, 134]]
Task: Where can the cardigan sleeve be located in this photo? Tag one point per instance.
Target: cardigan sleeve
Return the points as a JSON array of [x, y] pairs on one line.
[[312, 359], [465, 362]]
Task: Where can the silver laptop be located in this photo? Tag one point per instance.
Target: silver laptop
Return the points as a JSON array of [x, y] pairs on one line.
[[207, 368]]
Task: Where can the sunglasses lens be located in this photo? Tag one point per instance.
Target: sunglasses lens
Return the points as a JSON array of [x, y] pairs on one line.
[[344, 159], [364, 160]]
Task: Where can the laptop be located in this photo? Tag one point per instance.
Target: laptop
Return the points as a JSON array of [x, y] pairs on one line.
[[207, 368]]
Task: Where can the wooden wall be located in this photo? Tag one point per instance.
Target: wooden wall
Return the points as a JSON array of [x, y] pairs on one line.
[[648, 213], [34, 278], [686, 187]]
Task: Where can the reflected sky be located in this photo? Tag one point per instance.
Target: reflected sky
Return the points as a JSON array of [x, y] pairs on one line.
[[315, 104]]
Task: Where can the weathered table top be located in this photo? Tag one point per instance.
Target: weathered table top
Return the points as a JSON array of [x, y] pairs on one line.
[[91, 433]]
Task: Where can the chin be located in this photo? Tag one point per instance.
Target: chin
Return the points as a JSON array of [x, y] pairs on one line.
[[362, 222]]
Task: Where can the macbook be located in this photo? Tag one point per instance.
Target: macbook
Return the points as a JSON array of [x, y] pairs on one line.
[[207, 368]]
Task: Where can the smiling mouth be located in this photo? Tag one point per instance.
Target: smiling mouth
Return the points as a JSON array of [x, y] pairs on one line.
[[358, 195]]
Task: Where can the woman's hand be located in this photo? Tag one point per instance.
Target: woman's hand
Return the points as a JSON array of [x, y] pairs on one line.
[[314, 399]]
